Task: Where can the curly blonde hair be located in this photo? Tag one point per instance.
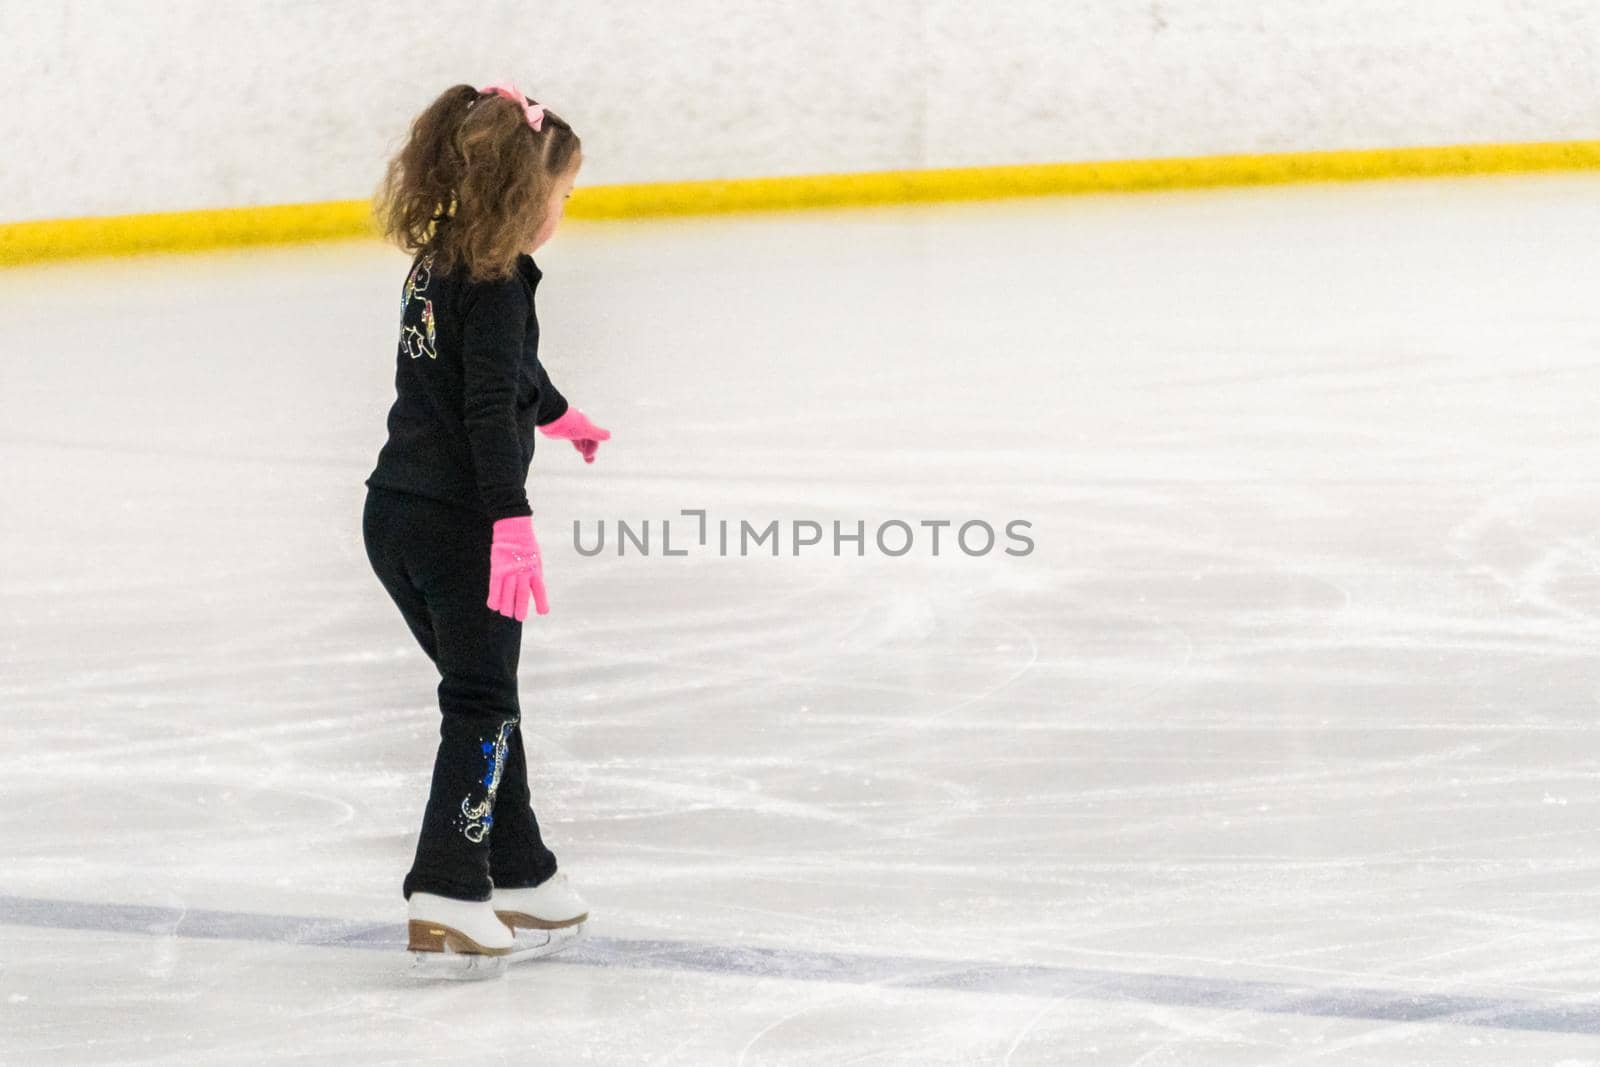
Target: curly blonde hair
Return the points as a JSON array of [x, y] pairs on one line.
[[473, 182]]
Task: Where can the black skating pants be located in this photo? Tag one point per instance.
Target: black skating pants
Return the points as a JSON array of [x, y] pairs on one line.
[[479, 828]]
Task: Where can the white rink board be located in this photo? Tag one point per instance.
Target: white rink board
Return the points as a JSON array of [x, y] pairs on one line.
[[282, 101], [1280, 748]]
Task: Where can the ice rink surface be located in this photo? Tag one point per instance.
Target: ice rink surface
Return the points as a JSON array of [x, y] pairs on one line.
[[1280, 748]]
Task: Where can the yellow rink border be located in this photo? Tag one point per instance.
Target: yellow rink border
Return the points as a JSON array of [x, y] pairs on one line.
[[29, 242]]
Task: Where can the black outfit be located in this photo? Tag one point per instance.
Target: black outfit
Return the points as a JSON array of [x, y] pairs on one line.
[[469, 391]]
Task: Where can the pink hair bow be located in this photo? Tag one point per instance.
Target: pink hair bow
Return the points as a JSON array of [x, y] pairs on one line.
[[534, 113]]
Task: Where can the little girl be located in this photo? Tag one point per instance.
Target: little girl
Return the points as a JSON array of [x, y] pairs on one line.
[[478, 187]]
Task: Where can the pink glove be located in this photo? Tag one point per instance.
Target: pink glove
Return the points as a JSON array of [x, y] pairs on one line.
[[515, 569], [575, 426]]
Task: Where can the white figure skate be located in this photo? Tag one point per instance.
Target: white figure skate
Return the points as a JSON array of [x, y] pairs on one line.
[[544, 919], [456, 938]]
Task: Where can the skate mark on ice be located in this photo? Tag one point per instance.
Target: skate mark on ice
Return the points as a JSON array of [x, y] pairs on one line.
[[1570, 1016]]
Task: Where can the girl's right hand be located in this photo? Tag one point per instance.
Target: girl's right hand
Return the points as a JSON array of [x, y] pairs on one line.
[[515, 569], [577, 427]]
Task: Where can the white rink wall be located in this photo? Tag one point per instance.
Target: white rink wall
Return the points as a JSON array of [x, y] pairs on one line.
[[121, 106]]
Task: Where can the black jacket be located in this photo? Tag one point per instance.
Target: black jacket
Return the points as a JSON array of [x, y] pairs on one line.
[[469, 390]]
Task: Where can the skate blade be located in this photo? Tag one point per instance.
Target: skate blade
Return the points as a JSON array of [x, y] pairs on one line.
[[456, 966], [531, 944]]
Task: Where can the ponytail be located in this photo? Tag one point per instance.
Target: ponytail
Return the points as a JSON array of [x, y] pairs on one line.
[[418, 189]]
